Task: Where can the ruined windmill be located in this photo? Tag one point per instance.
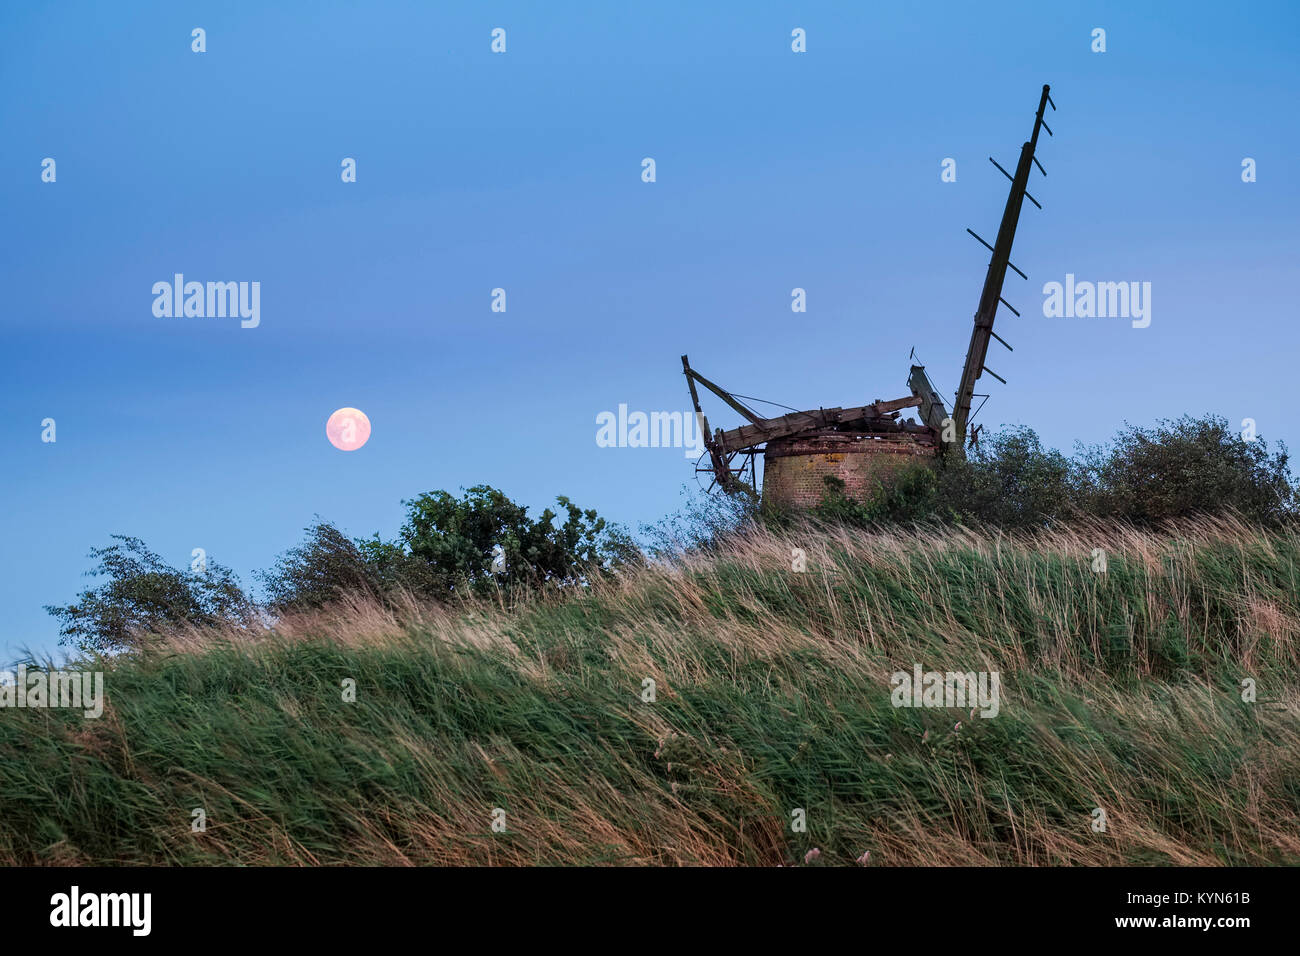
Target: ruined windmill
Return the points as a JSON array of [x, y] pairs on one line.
[[866, 444]]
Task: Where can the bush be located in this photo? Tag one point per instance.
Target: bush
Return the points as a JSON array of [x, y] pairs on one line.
[[1185, 467], [707, 522], [447, 544], [456, 538], [143, 594], [1008, 481], [316, 571], [1177, 469]]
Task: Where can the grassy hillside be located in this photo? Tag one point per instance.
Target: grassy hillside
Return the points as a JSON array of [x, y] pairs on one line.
[[1120, 690]]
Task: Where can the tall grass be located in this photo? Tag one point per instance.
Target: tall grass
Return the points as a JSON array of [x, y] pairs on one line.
[[1120, 691]]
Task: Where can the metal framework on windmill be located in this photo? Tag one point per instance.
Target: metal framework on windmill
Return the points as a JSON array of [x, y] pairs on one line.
[[730, 453]]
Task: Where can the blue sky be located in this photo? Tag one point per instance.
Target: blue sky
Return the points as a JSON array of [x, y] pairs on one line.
[[522, 171]]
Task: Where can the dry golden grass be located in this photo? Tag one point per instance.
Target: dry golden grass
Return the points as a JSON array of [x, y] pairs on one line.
[[1120, 691]]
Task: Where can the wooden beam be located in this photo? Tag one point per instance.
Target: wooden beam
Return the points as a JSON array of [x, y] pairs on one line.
[[747, 436], [721, 472], [725, 395]]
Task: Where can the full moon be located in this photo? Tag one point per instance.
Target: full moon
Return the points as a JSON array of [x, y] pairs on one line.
[[348, 429]]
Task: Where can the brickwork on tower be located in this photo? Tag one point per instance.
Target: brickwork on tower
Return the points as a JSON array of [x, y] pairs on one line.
[[794, 469]]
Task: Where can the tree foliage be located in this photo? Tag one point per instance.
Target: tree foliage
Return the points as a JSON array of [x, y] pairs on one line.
[[142, 594], [314, 572]]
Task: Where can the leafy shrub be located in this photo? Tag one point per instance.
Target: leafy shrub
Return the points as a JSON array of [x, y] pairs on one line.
[[705, 523], [314, 572], [1185, 467], [1145, 476], [144, 594], [455, 539]]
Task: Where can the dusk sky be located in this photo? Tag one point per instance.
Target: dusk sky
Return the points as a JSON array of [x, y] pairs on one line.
[[522, 171]]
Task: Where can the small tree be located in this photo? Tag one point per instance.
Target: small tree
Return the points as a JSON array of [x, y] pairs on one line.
[[456, 538], [316, 572], [1185, 467], [1012, 481], [329, 564], [144, 594], [448, 542]]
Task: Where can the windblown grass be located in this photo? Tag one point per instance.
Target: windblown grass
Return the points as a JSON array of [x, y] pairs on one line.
[[1120, 691]]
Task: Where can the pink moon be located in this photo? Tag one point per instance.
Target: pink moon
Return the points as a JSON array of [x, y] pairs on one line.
[[348, 429]]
